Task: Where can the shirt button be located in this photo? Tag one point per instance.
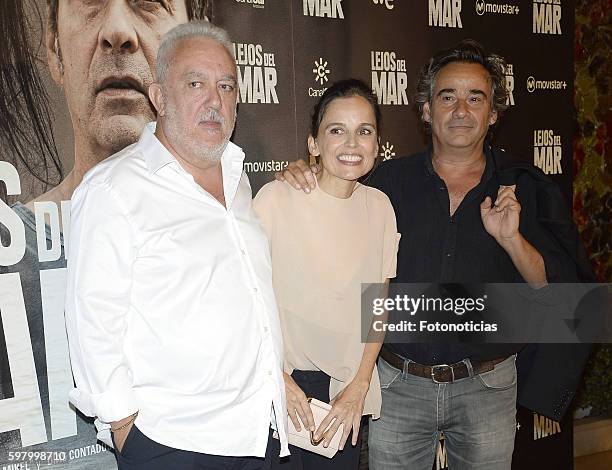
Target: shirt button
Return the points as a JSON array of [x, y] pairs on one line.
[[243, 251], [452, 220], [448, 255], [269, 372], [265, 329], [255, 290]]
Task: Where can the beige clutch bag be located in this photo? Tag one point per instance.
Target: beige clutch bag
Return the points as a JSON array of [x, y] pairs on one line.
[[304, 439]]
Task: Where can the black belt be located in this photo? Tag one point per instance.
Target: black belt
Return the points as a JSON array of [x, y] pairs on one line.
[[440, 373]]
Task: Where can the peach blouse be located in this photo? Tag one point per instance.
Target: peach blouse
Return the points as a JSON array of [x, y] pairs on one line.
[[323, 248]]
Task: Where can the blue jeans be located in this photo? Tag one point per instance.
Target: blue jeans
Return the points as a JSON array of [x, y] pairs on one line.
[[477, 416]]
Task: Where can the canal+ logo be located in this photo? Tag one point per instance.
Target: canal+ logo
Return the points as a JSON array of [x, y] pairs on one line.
[[388, 4], [386, 151], [321, 72]]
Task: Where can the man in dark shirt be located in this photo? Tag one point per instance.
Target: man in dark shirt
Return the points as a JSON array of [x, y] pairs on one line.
[[458, 225]]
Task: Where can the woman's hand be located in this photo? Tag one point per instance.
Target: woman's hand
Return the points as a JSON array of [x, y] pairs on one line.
[[347, 409], [297, 404]]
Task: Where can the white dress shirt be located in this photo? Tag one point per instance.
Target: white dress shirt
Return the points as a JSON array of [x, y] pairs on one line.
[[170, 309]]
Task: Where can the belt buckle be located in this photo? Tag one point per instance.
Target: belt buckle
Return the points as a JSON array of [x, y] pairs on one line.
[[440, 366]]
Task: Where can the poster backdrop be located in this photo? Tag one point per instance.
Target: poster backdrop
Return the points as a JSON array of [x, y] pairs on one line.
[[288, 53]]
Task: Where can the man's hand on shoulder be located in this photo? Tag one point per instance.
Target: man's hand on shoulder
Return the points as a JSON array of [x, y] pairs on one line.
[[300, 175]]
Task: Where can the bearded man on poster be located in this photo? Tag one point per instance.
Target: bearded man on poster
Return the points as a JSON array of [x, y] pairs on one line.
[[102, 54], [172, 323]]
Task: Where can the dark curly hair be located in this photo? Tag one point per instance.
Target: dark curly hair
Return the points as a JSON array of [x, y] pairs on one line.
[[469, 51]]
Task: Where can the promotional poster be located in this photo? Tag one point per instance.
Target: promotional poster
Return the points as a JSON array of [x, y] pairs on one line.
[[62, 55]]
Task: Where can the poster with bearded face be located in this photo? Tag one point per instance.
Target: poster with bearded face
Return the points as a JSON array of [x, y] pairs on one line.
[[75, 91]]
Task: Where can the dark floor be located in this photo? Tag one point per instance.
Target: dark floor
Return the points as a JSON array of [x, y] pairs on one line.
[[601, 461]]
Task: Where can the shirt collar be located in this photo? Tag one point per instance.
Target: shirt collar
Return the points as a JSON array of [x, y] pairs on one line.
[[156, 155]]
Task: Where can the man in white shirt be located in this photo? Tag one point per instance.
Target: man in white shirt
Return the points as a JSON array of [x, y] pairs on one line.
[[174, 336]]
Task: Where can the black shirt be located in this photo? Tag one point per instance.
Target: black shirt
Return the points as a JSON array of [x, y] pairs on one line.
[[438, 247]]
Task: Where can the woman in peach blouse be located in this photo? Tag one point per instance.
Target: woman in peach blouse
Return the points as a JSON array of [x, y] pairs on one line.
[[324, 245]]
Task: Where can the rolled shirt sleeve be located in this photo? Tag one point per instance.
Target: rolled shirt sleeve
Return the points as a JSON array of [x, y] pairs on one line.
[[102, 250]]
